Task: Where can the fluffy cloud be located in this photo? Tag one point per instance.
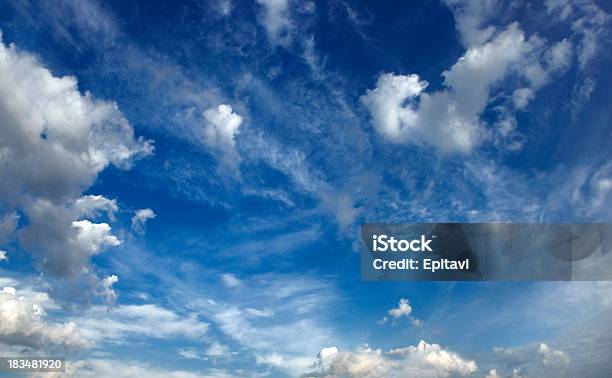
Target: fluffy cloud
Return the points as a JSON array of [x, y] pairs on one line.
[[402, 111], [23, 322], [54, 141], [222, 126], [92, 206], [449, 119], [403, 310], [364, 363], [539, 360], [106, 288], [62, 244], [92, 237], [140, 218], [423, 360], [3, 256]]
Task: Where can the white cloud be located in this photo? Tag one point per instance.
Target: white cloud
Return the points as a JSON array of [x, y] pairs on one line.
[[590, 26], [587, 190], [443, 362], [403, 111], [275, 18], [589, 23], [100, 324], [449, 119], [222, 127], [106, 288], [55, 141], [403, 310], [3, 256], [230, 280], [538, 359], [423, 360], [385, 104], [23, 322], [140, 218], [92, 205], [92, 237], [364, 363], [521, 97], [59, 139], [326, 357], [292, 307], [62, 244], [470, 17]]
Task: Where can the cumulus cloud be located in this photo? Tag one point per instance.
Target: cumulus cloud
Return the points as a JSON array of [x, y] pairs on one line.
[[403, 310], [54, 142], [93, 205], [3, 256], [423, 360], [55, 139], [106, 288], [404, 112], [222, 127], [539, 360], [449, 119], [23, 322], [140, 218], [92, 237], [365, 363], [275, 18], [62, 244]]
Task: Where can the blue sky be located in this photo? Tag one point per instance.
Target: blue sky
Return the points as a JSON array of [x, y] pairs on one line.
[[183, 183]]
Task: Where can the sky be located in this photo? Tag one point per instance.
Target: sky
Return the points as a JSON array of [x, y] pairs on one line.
[[182, 183]]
